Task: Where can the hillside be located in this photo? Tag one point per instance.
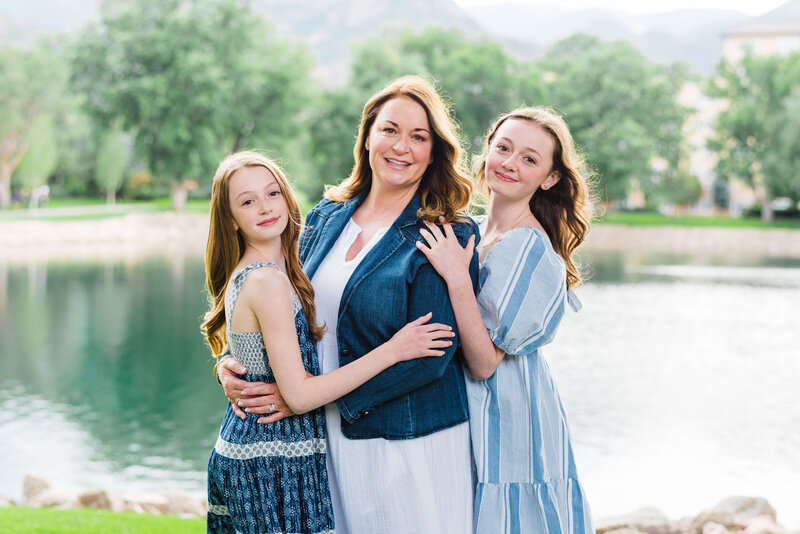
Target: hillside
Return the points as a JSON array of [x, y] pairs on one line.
[[690, 35], [330, 27]]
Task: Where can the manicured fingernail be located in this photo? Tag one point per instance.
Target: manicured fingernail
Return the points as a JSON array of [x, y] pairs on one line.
[[244, 392], [242, 369], [238, 402], [247, 410]]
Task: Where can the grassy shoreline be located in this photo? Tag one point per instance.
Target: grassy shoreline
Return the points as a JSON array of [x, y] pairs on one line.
[[92, 209], [70, 235], [696, 221], [20, 519]]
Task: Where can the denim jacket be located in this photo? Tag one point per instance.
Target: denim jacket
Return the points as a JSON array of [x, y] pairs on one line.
[[393, 284]]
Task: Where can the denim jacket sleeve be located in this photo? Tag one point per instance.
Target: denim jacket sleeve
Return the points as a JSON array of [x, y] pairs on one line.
[[428, 292]]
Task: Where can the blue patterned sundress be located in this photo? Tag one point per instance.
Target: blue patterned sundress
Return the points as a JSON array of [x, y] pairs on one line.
[[268, 478], [527, 479]]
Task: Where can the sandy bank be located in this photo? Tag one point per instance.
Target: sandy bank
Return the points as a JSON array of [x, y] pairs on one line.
[[127, 237], [139, 235]]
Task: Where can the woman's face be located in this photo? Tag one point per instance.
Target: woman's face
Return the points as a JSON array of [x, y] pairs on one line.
[[400, 144], [520, 160]]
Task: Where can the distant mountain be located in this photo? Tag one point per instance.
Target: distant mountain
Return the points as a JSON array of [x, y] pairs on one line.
[[331, 27], [21, 22], [690, 35], [788, 11]]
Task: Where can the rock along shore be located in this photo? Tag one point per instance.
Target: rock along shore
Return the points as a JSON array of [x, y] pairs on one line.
[[136, 235], [734, 515]]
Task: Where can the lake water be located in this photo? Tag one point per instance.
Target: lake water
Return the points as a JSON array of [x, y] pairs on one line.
[[679, 378]]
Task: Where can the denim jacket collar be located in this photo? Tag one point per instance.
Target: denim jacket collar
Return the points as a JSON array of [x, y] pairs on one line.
[[338, 220], [330, 232]]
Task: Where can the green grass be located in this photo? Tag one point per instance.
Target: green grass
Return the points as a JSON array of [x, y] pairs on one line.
[[74, 201], [71, 209], [21, 520], [202, 205], [631, 218], [68, 209]]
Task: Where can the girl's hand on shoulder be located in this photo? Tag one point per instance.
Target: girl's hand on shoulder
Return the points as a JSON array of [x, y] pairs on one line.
[[447, 256], [419, 339]]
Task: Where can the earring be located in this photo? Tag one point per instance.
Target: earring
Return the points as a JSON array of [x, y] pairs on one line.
[[545, 187]]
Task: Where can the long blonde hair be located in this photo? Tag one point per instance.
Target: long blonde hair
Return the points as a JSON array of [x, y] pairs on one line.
[[226, 246], [445, 188], [563, 210]]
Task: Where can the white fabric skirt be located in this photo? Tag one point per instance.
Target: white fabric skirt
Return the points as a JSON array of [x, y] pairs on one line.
[[421, 485]]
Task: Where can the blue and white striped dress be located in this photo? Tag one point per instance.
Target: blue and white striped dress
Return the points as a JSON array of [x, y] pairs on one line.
[[527, 480]]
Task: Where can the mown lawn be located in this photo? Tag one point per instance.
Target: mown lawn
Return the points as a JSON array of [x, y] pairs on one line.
[[632, 218], [75, 209], [90, 209], [21, 520]]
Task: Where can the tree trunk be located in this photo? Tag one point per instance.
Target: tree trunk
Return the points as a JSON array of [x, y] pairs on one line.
[[111, 196], [767, 214], [5, 185], [179, 195], [12, 148], [237, 143]]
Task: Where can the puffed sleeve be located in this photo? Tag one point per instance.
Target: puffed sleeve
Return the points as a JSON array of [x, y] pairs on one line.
[[523, 292]]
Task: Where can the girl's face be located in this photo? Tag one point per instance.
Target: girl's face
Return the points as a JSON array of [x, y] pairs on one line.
[[520, 160], [400, 143], [258, 206]]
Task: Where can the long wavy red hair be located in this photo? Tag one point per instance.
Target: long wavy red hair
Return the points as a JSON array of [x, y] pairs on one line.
[[225, 248]]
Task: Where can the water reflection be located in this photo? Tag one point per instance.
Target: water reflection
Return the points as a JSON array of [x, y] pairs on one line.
[[678, 378], [111, 368]]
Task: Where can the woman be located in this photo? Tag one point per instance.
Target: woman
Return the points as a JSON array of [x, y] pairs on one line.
[[538, 213], [253, 251], [398, 446]]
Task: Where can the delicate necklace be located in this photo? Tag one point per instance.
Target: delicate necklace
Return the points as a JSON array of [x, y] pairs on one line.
[[525, 214]]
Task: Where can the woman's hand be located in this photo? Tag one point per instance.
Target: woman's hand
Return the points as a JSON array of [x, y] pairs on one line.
[[419, 339], [444, 252], [251, 397]]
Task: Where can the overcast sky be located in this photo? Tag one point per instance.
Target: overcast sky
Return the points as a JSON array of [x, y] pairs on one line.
[[751, 7]]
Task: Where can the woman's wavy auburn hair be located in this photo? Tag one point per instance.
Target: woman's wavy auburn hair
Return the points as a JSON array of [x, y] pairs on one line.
[[564, 210], [445, 188], [226, 246]]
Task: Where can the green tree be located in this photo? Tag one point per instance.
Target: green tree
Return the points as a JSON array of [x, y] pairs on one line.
[[782, 164], [192, 80], [751, 133], [41, 157], [33, 85], [113, 157], [475, 73], [622, 110], [333, 125]]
